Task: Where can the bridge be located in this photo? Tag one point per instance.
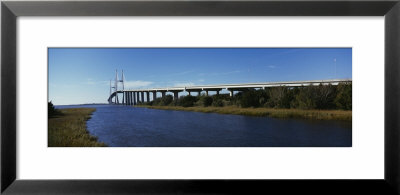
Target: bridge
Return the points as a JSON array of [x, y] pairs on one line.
[[133, 96]]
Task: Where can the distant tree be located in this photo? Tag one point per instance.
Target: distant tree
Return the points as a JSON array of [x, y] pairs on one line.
[[316, 97], [250, 99], [166, 100], [263, 96], [287, 98], [325, 96], [279, 97], [343, 98], [304, 99], [207, 101], [163, 101], [235, 99], [221, 100], [217, 103], [52, 111], [187, 101]]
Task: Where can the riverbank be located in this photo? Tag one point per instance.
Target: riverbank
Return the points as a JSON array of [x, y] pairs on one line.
[[270, 112], [69, 129]]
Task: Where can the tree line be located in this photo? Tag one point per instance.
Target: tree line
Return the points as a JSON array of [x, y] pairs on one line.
[[52, 111], [306, 97]]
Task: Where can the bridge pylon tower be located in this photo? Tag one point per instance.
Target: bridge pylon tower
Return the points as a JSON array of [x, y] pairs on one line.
[[123, 88], [116, 81]]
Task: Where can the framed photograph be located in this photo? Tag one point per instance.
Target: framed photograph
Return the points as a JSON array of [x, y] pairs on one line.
[[199, 97], [169, 102]]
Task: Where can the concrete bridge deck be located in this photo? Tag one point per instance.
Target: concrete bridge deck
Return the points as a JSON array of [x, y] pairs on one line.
[[132, 96]]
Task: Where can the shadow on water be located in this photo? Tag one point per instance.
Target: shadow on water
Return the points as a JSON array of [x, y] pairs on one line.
[[125, 126]]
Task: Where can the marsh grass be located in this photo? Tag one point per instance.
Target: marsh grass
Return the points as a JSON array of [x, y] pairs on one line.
[[270, 112], [69, 129]]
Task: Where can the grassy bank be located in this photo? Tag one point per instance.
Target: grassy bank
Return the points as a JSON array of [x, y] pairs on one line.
[[271, 112], [69, 129]]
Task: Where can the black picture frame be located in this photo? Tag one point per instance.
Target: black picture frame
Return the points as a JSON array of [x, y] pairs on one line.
[[10, 10]]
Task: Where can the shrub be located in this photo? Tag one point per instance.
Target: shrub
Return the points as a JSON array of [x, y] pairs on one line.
[[187, 101], [218, 103], [250, 99], [207, 101], [163, 101], [226, 103], [218, 100]]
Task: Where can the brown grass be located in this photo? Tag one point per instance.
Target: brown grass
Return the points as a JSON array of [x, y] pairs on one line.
[[271, 112], [69, 129]]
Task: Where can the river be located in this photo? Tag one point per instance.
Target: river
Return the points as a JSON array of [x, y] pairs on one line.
[[126, 126]]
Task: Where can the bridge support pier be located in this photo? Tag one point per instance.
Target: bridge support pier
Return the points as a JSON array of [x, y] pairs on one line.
[[142, 96], [231, 92], [163, 94], [154, 95], [217, 92], [206, 93], [148, 96], [134, 98], [176, 95], [130, 98], [125, 98], [189, 92]]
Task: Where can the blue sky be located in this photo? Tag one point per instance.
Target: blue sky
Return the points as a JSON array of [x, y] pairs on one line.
[[82, 75]]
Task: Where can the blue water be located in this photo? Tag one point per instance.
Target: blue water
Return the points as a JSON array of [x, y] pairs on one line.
[[125, 126]]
